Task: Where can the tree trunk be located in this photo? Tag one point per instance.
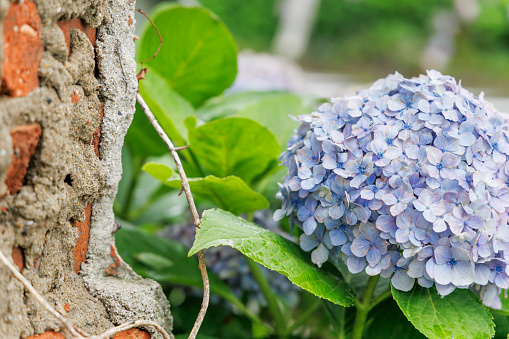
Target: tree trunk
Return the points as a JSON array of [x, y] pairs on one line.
[[68, 84]]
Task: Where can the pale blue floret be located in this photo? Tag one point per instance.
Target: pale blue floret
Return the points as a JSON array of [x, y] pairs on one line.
[[407, 179]]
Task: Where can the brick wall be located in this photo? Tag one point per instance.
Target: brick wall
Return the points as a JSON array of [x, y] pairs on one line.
[[51, 173]]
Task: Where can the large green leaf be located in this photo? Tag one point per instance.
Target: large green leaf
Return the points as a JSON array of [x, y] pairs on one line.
[[457, 315], [133, 245], [230, 193], [229, 105], [271, 109], [198, 57], [272, 251], [234, 146], [273, 112]]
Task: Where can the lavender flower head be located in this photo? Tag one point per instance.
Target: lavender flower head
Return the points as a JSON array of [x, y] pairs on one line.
[[409, 179]]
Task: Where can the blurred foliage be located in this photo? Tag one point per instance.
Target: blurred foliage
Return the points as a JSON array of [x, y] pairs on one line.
[[371, 38], [252, 23], [390, 34]]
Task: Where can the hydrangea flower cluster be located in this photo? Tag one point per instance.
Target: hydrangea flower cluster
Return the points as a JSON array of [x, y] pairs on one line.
[[408, 179]]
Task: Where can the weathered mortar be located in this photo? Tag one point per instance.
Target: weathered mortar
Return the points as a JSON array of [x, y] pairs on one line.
[[65, 175]]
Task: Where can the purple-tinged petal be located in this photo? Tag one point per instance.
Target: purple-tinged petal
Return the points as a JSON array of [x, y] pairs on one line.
[[401, 281], [320, 255], [355, 264], [443, 274], [434, 155], [307, 243], [360, 247], [309, 225], [373, 256], [462, 274]]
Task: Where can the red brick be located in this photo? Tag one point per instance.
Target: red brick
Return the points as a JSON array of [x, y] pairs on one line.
[[17, 257], [80, 249], [65, 26], [47, 335], [115, 255], [24, 141], [23, 49], [133, 333]]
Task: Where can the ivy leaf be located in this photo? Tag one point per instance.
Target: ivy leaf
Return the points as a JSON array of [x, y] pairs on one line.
[[230, 193], [272, 251], [198, 57], [234, 146], [457, 315]]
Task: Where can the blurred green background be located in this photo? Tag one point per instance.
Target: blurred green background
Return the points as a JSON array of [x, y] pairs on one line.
[[368, 39]]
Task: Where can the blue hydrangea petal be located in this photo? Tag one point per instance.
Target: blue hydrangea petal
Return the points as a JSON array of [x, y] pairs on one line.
[[338, 237], [307, 243], [360, 247], [443, 274], [309, 225], [463, 274], [355, 264], [320, 255], [401, 281]]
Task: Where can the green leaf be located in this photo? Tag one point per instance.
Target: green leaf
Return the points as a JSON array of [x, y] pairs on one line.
[[154, 261], [159, 171], [198, 57], [230, 193], [234, 146], [271, 109], [130, 243], [272, 251], [457, 315], [273, 112], [229, 105]]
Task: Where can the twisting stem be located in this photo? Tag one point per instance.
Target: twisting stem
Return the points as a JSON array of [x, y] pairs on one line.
[[39, 297], [342, 317], [192, 207], [159, 34], [363, 307]]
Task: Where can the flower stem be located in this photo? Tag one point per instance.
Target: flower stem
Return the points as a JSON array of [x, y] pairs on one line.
[[305, 316], [381, 297], [270, 297], [342, 332], [363, 306]]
